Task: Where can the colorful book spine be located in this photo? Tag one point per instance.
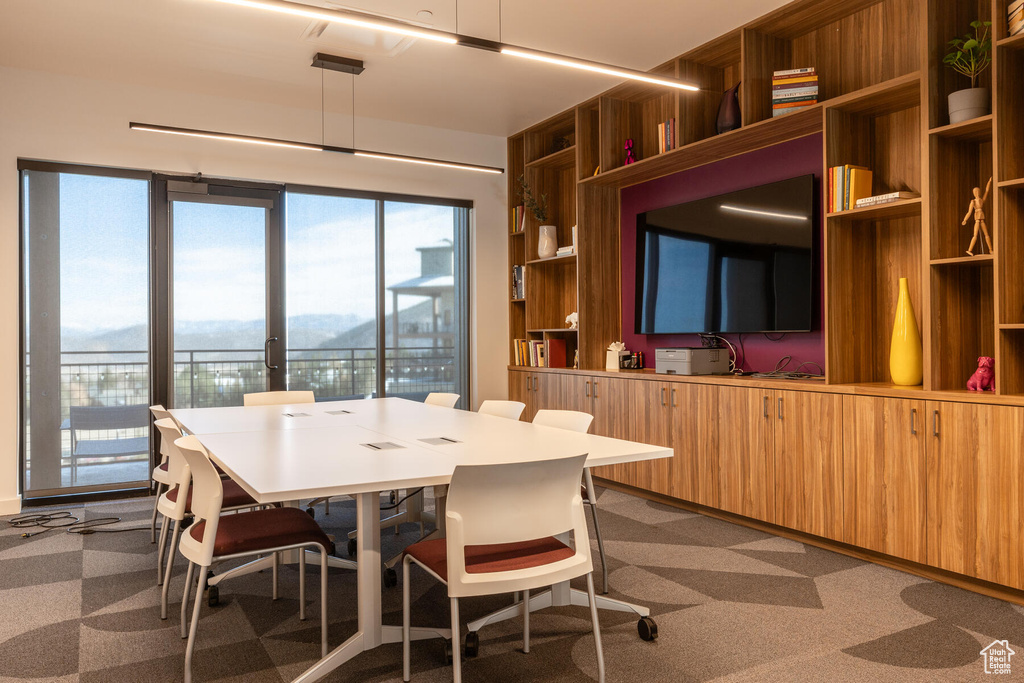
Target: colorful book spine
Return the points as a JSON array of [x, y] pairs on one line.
[[794, 73], [793, 89]]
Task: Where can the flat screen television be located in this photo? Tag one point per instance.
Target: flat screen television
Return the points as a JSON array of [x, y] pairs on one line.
[[738, 262]]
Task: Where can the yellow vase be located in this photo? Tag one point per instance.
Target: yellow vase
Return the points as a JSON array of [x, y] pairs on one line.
[[905, 359]]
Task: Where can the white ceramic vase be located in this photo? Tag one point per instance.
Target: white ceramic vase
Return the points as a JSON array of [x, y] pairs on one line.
[[547, 242]]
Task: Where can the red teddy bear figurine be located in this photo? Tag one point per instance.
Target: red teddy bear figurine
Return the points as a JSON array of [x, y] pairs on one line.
[[982, 379]]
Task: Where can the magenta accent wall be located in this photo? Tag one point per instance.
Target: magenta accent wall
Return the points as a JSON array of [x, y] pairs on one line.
[[786, 160]]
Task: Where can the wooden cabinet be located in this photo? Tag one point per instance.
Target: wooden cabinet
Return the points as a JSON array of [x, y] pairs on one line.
[[884, 442], [538, 390], [693, 472], [519, 390], [809, 462], [976, 490], [745, 452]]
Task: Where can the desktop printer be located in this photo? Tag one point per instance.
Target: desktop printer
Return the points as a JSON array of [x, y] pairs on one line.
[[690, 361]]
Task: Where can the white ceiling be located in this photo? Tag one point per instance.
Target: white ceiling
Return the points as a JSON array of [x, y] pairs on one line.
[[212, 48]]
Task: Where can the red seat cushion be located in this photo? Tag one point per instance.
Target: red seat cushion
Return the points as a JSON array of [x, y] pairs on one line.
[[583, 492], [484, 559], [162, 466], [252, 532], [234, 496]]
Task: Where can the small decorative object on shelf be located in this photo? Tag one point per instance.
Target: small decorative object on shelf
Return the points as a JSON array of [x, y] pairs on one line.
[[562, 142], [538, 207], [886, 198], [547, 241], [983, 377], [616, 351], [905, 358], [630, 157], [970, 56], [1015, 18], [573, 320], [576, 360], [729, 111], [977, 205]]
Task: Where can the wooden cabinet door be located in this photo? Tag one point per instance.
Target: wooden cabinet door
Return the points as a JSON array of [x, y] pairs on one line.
[[611, 403], [884, 504], [576, 393], [520, 389], [693, 470], [809, 462], [976, 490], [649, 421], [547, 392], [746, 420]]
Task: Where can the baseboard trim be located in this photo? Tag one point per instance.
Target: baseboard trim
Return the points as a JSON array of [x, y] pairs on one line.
[[993, 590], [10, 506]]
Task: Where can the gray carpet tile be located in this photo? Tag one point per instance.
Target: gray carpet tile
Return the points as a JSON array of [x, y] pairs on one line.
[[733, 605]]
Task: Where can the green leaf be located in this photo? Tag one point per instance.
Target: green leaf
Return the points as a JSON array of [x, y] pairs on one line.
[[970, 45]]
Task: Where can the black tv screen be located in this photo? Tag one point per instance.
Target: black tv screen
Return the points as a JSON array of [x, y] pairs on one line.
[[737, 262]]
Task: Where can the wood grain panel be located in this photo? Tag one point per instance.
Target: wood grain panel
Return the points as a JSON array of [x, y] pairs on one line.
[[745, 452], [598, 270], [698, 112], [957, 167], [1009, 112], [948, 20], [541, 138], [694, 468], [550, 293], [884, 481], [520, 388], [809, 463], [613, 406], [588, 139], [1010, 363], [762, 55], [1009, 244], [963, 322]]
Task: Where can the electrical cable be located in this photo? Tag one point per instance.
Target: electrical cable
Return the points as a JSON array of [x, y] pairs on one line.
[[780, 371], [63, 519], [401, 500]]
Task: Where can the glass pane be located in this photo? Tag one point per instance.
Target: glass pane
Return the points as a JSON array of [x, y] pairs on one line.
[[423, 351], [87, 331], [331, 295], [220, 302]]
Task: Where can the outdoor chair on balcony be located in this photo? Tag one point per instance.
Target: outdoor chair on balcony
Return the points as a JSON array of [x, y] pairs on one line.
[[107, 432]]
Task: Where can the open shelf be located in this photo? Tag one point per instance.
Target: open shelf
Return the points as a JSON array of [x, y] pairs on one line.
[[1009, 241], [1012, 43], [963, 323], [976, 260], [1009, 110], [632, 111], [551, 294], [1012, 326], [1010, 361], [563, 158], [973, 129], [715, 67], [1015, 184], [588, 138], [558, 260], [550, 137], [951, 19], [553, 330], [958, 164], [899, 209]]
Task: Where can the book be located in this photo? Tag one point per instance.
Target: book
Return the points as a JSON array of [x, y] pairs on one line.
[[1014, 6], [661, 138], [565, 251], [805, 71], [884, 198], [574, 238], [556, 353], [781, 83], [858, 185], [790, 92], [795, 102], [790, 110]]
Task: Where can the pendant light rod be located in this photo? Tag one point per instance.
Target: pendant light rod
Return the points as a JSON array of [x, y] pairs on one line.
[[372, 22], [294, 144]]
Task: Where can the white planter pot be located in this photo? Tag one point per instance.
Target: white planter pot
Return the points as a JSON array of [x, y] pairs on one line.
[[968, 104], [547, 243]]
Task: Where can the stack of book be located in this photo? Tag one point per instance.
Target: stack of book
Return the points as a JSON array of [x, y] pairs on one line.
[[1015, 17], [518, 218], [846, 185], [529, 352], [793, 90], [667, 134], [518, 282], [886, 198]]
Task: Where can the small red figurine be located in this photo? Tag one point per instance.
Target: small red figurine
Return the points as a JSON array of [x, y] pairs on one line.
[[630, 158], [982, 379]]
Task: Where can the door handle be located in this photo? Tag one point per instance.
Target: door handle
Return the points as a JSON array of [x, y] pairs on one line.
[[935, 423], [766, 407], [595, 388], [266, 353], [527, 382], [535, 382], [913, 421], [588, 388], [673, 397], [780, 407], [663, 396]]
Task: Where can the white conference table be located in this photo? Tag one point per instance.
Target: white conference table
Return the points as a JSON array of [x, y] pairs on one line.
[[363, 447]]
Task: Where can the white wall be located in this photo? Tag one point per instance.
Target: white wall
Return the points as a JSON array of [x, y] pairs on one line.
[[59, 118]]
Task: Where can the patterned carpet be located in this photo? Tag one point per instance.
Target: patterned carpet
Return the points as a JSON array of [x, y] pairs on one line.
[[732, 605]]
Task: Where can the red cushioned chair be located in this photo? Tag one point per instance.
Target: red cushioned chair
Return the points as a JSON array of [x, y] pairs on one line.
[[213, 538], [501, 526]]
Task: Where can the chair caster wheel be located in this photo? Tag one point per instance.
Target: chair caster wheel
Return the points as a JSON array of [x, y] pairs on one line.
[[311, 512], [390, 577], [209, 575], [647, 629], [472, 644], [351, 547], [213, 597], [447, 651]]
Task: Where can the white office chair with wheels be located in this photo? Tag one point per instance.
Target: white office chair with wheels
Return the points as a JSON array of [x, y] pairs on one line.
[[438, 398], [502, 521], [160, 474], [577, 421], [277, 398], [512, 410], [213, 538]]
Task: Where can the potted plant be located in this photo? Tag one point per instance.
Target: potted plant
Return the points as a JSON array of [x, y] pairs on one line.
[[547, 240], [970, 56]]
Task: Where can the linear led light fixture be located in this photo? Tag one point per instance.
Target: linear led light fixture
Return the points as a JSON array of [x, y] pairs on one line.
[[759, 212], [275, 142], [391, 26]]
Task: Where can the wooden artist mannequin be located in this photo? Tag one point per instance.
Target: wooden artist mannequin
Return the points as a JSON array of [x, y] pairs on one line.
[[977, 206]]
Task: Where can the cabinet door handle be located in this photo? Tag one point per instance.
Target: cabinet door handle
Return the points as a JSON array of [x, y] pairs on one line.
[[913, 421], [766, 407], [595, 388], [588, 388], [535, 382], [673, 397], [935, 423], [527, 382], [780, 407], [663, 396]]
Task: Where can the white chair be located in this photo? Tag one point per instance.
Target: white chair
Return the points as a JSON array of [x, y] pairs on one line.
[[438, 398], [512, 410], [176, 504], [213, 538], [576, 421], [501, 526], [160, 474], [277, 398]]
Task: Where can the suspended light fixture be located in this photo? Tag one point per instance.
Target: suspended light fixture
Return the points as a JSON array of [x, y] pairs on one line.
[[367, 21]]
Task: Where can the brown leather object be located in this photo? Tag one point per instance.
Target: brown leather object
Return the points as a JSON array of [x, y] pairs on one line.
[[251, 532], [234, 496], [485, 559]]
